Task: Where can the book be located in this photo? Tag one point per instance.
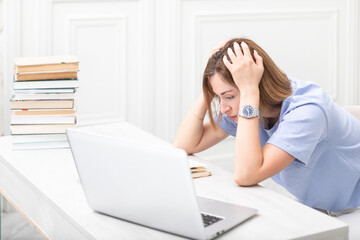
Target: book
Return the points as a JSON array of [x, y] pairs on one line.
[[39, 141], [36, 112], [40, 128], [42, 96], [46, 63], [43, 101], [200, 173], [197, 169], [44, 91], [35, 104], [65, 74], [46, 84], [43, 119], [40, 145], [38, 138]]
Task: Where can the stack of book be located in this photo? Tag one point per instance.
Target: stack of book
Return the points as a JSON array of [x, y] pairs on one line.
[[43, 101], [197, 169]]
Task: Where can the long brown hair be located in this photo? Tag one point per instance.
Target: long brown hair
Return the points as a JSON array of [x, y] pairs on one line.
[[274, 85]]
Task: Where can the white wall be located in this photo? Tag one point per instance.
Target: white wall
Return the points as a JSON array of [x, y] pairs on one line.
[[2, 47], [142, 60], [1, 79]]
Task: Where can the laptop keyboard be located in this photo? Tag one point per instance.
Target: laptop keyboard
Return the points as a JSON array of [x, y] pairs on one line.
[[210, 219]]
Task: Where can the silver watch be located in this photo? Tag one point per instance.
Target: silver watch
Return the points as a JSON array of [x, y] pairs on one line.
[[248, 111]]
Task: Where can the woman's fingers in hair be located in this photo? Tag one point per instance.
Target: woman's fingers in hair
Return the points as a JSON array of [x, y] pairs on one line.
[[246, 50], [237, 50], [226, 62], [258, 58], [231, 54]]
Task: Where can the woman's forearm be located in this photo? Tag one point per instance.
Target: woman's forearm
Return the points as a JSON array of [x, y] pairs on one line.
[[248, 152], [191, 128]]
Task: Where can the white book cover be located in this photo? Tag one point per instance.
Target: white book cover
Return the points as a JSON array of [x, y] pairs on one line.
[[43, 60], [40, 145], [19, 97], [38, 138], [46, 84], [39, 128], [44, 91], [50, 119]]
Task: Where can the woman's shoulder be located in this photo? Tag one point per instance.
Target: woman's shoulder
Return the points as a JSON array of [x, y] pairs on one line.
[[305, 88], [307, 97], [306, 92]]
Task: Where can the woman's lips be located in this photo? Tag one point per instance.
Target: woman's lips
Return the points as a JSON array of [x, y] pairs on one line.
[[233, 117]]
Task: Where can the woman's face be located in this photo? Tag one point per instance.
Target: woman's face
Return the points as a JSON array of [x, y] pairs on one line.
[[228, 95]]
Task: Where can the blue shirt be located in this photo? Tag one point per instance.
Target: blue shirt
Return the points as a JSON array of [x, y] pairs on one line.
[[325, 141]]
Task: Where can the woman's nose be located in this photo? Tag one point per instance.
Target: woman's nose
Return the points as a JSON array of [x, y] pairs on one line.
[[224, 108]]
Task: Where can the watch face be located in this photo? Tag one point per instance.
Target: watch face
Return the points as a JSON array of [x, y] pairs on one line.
[[248, 111]]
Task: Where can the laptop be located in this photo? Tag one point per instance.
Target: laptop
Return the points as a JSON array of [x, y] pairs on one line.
[[145, 183]]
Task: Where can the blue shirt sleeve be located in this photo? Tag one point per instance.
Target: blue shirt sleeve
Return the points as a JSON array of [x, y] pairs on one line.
[[227, 125], [300, 130]]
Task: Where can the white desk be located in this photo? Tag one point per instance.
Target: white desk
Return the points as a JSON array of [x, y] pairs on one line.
[[44, 186]]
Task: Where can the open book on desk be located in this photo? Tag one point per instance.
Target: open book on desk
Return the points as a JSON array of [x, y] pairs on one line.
[[134, 133]]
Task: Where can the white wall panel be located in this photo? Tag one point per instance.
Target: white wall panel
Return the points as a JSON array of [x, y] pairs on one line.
[[102, 94], [113, 41], [142, 60], [308, 40], [304, 42], [272, 30]]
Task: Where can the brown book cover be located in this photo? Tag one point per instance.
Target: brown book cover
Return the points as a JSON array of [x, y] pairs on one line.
[[200, 174], [46, 75], [38, 112], [46, 63]]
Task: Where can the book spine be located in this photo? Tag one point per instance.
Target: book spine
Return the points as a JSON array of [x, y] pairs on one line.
[[45, 76], [51, 84], [42, 104], [40, 128]]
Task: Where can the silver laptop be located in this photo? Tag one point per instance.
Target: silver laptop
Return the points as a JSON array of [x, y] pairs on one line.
[[148, 184]]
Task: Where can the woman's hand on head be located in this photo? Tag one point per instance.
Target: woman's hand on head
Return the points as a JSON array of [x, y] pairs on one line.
[[246, 72]]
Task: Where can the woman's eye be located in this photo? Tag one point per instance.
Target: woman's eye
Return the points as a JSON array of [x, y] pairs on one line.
[[229, 98]]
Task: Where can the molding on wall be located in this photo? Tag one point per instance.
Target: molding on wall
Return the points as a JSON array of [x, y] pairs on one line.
[[354, 44], [11, 37], [352, 47], [118, 22], [331, 15], [167, 45], [161, 114], [147, 36], [357, 66]]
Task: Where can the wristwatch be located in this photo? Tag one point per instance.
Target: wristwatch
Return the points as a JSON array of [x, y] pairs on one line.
[[248, 111]]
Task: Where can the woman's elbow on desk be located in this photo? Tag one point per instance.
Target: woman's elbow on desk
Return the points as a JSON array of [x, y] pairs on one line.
[[244, 181]]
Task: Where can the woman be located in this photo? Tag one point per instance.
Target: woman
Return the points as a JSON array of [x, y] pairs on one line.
[[285, 128]]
